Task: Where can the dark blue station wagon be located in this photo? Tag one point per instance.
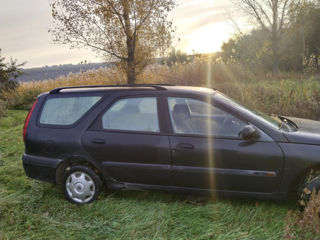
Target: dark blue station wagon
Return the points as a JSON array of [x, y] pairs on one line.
[[167, 137]]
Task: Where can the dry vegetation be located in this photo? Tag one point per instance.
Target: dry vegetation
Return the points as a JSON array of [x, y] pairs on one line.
[[290, 94], [304, 225]]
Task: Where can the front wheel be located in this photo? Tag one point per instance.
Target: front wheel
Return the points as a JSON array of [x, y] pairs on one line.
[[311, 183], [81, 184]]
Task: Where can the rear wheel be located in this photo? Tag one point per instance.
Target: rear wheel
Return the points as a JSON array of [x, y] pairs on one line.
[[81, 184], [311, 183]]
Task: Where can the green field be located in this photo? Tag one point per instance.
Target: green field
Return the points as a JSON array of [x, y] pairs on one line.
[[35, 210]]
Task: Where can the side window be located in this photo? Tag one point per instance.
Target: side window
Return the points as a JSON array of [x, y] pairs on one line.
[[64, 111], [132, 114], [191, 116]]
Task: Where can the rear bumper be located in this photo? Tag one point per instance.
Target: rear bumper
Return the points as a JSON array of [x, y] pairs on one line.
[[40, 168]]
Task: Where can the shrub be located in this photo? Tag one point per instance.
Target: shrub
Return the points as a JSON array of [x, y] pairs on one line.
[[8, 75]]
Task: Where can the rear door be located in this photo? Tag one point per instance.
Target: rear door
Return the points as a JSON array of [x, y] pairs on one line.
[[208, 153], [126, 138]]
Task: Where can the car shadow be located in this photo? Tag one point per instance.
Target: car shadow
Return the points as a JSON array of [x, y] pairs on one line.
[[290, 203]]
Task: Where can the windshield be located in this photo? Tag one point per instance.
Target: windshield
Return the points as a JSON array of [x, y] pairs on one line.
[[272, 120]]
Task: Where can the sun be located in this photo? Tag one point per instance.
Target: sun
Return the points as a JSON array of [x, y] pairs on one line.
[[209, 38]]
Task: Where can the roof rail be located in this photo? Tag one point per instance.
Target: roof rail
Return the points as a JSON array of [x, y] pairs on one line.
[[155, 86]]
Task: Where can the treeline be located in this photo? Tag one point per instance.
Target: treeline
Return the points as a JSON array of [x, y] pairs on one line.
[[298, 45]]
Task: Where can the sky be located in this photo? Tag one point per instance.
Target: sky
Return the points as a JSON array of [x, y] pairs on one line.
[[202, 26]]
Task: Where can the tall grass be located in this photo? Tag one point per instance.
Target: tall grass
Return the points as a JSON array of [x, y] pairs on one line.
[[289, 94]]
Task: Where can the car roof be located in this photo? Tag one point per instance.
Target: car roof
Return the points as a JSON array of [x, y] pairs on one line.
[[136, 87]]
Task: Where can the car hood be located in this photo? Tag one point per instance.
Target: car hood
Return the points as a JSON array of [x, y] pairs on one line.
[[308, 132]]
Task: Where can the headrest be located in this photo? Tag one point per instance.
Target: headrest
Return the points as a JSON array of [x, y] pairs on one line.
[[182, 109]]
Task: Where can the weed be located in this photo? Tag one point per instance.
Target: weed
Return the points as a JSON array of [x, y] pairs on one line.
[[304, 225]]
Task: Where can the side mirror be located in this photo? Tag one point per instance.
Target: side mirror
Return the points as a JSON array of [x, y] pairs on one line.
[[249, 133]]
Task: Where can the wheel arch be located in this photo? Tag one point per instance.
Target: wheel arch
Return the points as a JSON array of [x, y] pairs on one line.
[[78, 160], [295, 184]]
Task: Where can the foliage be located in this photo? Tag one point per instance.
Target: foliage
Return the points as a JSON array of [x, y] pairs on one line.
[[176, 57], [8, 73], [305, 33], [272, 18], [130, 32], [295, 47], [252, 50], [304, 225]]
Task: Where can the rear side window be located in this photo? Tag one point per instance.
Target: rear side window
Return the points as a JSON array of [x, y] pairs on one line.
[[66, 111], [132, 114]]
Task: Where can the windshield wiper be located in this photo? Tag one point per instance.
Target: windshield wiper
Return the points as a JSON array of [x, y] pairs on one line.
[[288, 121]]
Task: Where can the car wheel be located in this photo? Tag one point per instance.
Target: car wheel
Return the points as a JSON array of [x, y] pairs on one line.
[[81, 184], [311, 183]]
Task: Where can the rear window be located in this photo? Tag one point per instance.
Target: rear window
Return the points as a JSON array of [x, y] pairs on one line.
[[66, 110]]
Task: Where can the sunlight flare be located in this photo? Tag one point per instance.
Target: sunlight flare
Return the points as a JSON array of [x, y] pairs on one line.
[[208, 38]]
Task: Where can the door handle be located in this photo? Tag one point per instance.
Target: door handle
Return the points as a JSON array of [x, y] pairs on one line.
[[98, 141], [185, 146]]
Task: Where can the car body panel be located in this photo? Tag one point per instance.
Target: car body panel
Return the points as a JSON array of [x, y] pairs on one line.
[[133, 157], [299, 158], [227, 164], [308, 132]]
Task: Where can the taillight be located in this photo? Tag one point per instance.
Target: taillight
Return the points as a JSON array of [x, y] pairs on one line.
[[26, 122]]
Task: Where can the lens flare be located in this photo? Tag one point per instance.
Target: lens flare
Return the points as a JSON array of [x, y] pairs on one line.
[[210, 155]]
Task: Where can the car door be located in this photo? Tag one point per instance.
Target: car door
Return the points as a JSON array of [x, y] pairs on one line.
[[126, 138], [208, 153]]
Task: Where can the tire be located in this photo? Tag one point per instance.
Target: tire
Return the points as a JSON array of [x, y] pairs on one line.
[[81, 184], [310, 184]]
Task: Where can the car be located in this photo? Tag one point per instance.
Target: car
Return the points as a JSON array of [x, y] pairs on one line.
[[166, 137]]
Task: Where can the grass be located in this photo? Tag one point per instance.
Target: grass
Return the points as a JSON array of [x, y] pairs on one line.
[[35, 210]]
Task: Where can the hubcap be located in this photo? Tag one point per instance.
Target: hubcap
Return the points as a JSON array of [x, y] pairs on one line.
[[80, 187]]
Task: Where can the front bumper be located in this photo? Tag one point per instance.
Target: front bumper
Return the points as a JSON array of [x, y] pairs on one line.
[[40, 168]]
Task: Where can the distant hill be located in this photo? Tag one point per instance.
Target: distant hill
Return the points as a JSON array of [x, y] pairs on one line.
[[52, 72]]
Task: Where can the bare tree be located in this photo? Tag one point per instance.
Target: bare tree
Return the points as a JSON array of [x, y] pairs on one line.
[[271, 16], [130, 32]]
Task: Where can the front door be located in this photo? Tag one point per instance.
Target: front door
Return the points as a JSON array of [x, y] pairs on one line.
[[208, 153], [128, 142]]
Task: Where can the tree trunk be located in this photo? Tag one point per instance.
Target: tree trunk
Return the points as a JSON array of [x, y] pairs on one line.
[[131, 72], [303, 53], [275, 57], [274, 40], [131, 67]]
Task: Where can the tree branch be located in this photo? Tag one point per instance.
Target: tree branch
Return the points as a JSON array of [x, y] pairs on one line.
[[283, 16], [117, 14]]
